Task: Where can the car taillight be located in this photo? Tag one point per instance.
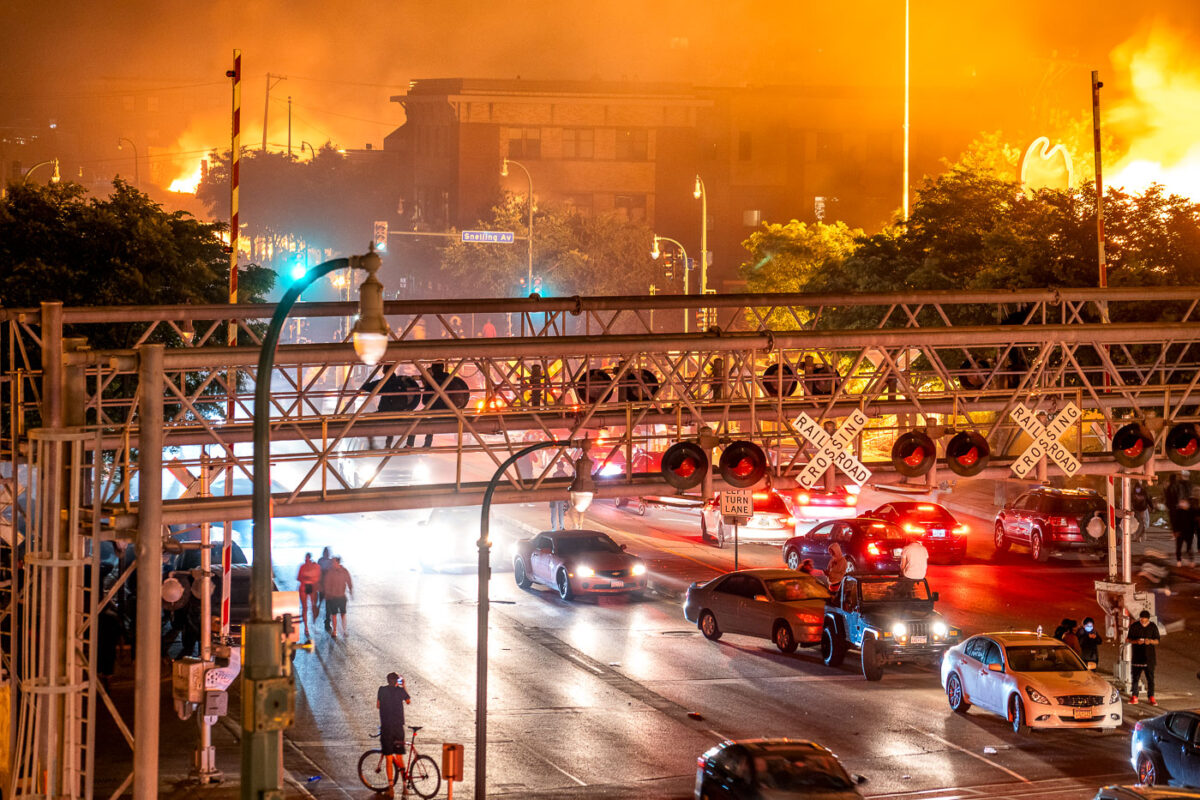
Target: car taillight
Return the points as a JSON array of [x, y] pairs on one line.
[[788, 521], [960, 530], [803, 498], [1063, 522], [873, 549], [910, 528], [851, 500]]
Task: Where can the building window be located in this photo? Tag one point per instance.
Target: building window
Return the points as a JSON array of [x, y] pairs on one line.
[[632, 145], [632, 205], [579, 143], [524, 143], [744, 146], [579, 203]]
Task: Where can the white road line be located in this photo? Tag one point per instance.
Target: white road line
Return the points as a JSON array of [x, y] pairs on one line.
[[717, 734], [580, 661], [973, 754], [551, 763]]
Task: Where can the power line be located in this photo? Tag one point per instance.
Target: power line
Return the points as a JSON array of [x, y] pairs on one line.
[[351, 83]]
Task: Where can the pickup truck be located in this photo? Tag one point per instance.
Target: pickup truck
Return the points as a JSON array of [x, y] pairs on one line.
[[889, 619]]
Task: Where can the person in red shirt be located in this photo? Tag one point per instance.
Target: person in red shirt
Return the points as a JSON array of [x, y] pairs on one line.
[[309, 580], [337, 586]]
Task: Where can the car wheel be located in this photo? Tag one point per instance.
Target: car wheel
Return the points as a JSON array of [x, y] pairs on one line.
[[1148, 770], [998, 541], [564, 585], [1016, 715], [1037, 548], [872, 663], [833, 647], [792, 559], [708, 626], [620, 502], [639, 507], [519, 574], [783, 638], [721, 534], [954, 693]]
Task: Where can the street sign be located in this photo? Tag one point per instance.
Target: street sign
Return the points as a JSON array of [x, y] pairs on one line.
[[1045, 439], [488, 237], [737, 505], [832, 450]]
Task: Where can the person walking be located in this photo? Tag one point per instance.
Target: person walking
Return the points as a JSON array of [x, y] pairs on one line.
[[1143, 635], [1140, 498], [1089, 642], [390, 700], [309, 580], [324, 562], [1183, 521], [558, 510], [337, 586]]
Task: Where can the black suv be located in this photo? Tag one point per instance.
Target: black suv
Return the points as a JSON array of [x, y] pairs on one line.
[[1053, 521]]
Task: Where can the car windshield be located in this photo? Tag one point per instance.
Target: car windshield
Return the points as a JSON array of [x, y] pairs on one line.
[[795, 772], [586, 544], [786, 590], [894, 591], [1044, 658], [1074, 505]]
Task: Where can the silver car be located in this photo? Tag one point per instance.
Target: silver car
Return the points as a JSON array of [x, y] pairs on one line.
[[778, 604]]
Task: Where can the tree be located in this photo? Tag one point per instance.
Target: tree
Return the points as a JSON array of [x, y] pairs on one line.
[[572, 254]]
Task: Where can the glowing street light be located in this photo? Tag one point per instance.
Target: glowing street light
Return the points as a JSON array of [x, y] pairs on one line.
[[701, 194], [55, 178], [656, 252], [137, 181], [504, 174]]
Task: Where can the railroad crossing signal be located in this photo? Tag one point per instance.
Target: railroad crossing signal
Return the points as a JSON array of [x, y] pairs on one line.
[[1045, 439], [831, 450]]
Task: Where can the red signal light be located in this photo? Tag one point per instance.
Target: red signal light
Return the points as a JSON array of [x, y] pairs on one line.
[[686, 468], [743, 468]]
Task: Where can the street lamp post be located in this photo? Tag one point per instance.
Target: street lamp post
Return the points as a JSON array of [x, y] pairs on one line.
[[581, 492], [655, 253], [312, 153], [55, 178], [701, 194], [267, 692], [504, 174], [137, 181]]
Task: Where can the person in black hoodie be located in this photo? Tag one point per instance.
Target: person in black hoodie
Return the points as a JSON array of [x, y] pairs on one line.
[[1143, 635], [1089, 642]]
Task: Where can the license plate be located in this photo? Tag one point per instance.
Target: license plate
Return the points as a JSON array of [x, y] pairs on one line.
[[896, 552], [1083, 713], [616, 584], [939, 533], [918, 640]]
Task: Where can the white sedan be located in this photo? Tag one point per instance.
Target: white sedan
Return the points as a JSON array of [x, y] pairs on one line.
[[1031, 680]]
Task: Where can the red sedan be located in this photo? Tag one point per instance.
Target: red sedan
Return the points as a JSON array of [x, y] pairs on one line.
[[936, 528]]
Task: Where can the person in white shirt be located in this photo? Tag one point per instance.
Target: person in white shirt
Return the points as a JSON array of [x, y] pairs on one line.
[[914, 561]]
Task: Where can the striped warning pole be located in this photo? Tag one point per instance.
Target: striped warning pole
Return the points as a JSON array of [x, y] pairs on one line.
[[235, 158]]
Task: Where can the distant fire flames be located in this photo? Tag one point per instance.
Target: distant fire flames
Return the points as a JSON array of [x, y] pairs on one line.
[[188, 183], [1160, 118]]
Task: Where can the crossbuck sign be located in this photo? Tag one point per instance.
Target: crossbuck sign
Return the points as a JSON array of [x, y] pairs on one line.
[[831, 450], [1045, 439]]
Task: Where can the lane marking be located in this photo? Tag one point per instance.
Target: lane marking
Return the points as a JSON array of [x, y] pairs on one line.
[[973, 754], [580, 661], [717, 734], [551, 763]]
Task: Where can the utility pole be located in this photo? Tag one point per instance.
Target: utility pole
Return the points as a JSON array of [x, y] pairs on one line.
[[289, 126], [906, 83], [267, 105]]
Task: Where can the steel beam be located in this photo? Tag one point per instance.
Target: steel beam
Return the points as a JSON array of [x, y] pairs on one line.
[[149, 575]]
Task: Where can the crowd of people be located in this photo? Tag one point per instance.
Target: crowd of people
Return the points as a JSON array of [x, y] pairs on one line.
[[1143, 635], [324, 581]]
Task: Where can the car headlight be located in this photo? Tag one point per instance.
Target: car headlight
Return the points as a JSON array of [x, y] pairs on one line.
[[1036, 696], [585, 572], [940, 628], [1115, 697], [899, 629], [639, 569]]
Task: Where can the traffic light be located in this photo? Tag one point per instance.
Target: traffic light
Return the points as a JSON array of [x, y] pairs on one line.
[[913, 454], [684, 465], [1133, 445], [298, 269], [743, 465], [779, 379], [381, 236], [1183, 444], [967, 453]]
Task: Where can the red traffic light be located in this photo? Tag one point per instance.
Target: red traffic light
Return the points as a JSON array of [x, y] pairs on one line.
[[913, 454], [684, 465], [1183, 444], [967, 453], [1132, 445], [743, 465]]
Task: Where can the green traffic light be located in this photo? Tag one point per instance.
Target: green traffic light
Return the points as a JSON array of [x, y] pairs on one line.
[[298, 272]]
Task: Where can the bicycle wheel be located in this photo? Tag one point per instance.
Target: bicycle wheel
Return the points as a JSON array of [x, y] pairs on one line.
[[372, 771], [424, 776]]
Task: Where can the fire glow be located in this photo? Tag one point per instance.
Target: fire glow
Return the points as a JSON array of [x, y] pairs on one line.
[[188, 183]]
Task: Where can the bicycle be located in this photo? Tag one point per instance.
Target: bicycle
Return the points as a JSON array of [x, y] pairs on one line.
[[421, 773]]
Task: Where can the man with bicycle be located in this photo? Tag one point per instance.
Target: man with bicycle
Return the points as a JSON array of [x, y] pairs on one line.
[[390, 702]]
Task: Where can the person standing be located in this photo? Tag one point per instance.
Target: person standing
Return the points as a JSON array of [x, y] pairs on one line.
[[1089, 642], [1182, 520], [835, 570], [390, 701], [337, 586], [309, 580], [1140, 499], [1143, 635], [558, 510], [324, 562]]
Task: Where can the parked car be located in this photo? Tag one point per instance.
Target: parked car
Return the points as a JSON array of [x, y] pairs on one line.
[[815, 505], [868, 545], [578, 562], [1143, 792], [888, 619], [772, 521], [1049, 521], [943, 536], [776, 768], [777, 604], [1166, 749], [1031, 680]]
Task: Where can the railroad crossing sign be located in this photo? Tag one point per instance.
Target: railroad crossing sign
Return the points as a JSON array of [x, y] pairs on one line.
[[737, 505], [831, 450], [1045, 439]]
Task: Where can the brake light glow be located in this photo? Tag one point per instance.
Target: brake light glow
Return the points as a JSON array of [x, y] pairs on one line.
[[873, 549], [926, 508], [803, 498], [788, 521], [960, 530], [851, 499], [910, 528], [1062, 522], [760, 495]]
